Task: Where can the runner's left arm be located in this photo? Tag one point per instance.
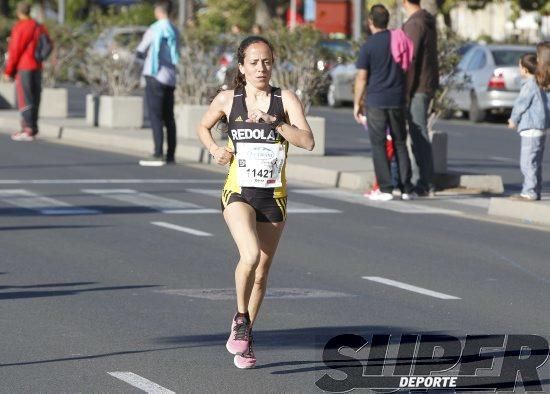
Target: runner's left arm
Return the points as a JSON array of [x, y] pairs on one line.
[[298, 132]]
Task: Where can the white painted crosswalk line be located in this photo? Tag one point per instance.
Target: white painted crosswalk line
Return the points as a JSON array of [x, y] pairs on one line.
[[162, 204], [480, 202], [104, 181], [187, 230], [45, 205], [412, 288], [299, 207], [293, 206], [395, 205], [141, 383]]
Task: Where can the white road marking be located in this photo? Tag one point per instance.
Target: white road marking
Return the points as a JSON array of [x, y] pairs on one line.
[[293, 206], [504, 159], [162, 204], [481, 202], [141, 383], [45, 205], [408, 207], [275, 293], [102, 181], [412, 288], [182, 229], [298, 207]]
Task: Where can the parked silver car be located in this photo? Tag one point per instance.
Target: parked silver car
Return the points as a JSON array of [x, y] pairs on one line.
[[487, 79], [340, 90], [118, 42]]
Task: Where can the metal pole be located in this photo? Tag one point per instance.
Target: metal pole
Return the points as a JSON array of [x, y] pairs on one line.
[[357, 19], [181, 13], [292, 14], [61, 12]]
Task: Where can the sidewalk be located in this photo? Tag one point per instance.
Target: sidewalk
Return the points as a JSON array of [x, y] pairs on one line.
[[347, 172]]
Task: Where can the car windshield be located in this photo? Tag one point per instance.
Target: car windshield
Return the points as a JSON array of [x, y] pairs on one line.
[[507, 57], [337, 47], [128, 39]]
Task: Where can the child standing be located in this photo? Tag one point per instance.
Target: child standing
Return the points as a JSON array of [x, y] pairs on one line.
[[531, 117]]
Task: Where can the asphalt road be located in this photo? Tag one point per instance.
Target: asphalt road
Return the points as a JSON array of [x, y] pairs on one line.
[[483, 148], [99, 290]]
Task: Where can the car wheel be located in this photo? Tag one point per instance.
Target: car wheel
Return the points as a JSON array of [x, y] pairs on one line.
[[331, 97], [476, 114]]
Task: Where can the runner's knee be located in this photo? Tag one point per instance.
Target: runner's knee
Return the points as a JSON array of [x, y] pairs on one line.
[[250, 257]]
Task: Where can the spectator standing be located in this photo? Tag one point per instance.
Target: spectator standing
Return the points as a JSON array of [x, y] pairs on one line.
[[25, 66], [422, 83], [383, 80], [531, 117], [160, 49]]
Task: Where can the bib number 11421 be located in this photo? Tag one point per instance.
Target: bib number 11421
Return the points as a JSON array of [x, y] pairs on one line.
[[260, 165]]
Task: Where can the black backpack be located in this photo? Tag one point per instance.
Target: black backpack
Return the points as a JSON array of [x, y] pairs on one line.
[[44, 46]]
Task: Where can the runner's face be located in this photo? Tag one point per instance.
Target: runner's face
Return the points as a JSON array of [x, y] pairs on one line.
[[258, 61]]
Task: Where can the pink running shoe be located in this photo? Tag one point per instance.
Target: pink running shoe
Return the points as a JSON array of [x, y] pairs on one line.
[[245, 360], [240, 335]]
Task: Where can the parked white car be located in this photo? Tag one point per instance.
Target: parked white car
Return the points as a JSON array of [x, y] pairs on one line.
[[118, 42], [340, 90], [487, 79]]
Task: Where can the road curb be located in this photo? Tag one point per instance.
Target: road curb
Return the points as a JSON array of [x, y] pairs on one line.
[[526, 211], [139, 143]]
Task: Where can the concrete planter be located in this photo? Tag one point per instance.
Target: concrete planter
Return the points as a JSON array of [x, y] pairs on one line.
[[8, 97], [120, 111], [54, 103], [317, 125], [439, 150], [188, 118], [92, 110]]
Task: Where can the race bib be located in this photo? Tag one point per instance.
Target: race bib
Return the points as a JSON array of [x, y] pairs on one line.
[[259, 164]]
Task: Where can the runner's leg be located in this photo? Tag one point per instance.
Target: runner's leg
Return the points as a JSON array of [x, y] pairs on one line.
[[241, 220], [269, 235]]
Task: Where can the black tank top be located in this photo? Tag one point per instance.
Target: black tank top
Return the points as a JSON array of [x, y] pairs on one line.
[[251, 132]]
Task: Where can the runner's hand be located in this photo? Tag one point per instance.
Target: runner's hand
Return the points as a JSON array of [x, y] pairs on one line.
[[511, 124], [257, 116], [222, 155]]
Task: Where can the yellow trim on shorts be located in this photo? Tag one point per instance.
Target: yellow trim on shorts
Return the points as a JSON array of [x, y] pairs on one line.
[[282, 206]]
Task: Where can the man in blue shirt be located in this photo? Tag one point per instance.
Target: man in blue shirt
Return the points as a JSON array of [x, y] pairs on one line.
[[383, 81], [160, 49]]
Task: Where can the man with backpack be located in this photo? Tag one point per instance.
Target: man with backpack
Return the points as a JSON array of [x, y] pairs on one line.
[[29, 46]]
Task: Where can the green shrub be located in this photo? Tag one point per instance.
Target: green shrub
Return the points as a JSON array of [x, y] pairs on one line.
[[296, 55]]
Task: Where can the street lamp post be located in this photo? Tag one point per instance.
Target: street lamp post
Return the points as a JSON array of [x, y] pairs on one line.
[[181, 13], [61, 12], [357, 19], [292, 14]]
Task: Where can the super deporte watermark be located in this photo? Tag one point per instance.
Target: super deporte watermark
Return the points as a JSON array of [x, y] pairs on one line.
[[410, 362]]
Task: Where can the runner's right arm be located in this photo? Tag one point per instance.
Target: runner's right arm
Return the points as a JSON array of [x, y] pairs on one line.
[[217, 109]]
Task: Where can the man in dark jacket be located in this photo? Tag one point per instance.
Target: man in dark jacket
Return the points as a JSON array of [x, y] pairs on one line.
[[23, 66], [422, 83], [382, 80]]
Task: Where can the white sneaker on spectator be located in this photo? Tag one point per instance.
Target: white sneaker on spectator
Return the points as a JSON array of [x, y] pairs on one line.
[[380, 196], [409, 196]]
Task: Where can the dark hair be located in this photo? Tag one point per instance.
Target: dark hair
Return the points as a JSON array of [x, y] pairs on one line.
[[380, 16], [240, 81], [415, 2], [542, 73], [529, 61], [164, 5], [24, 8]]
